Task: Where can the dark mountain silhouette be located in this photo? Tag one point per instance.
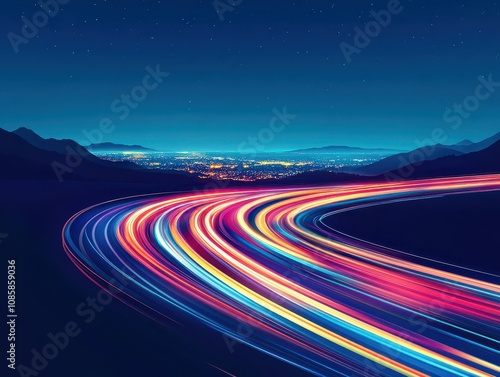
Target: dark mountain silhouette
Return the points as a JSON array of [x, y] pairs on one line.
[[467, 146], [403, 159], [486, 161], [21, 160], [31, 137], [427, 153], [112, 147], [67, 146], [463, 143], [343, 149], [53, 145], [475, 147]]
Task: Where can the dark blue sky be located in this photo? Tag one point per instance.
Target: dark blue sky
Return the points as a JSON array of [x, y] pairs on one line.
[[227, 76]]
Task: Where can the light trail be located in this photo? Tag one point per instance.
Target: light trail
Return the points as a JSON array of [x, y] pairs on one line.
[[350, 307]]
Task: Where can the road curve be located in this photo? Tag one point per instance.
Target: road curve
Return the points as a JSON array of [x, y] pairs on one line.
[[260, 266]]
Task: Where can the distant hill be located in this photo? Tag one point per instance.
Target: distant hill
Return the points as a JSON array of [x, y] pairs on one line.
[[468, 146], [21, 160], [343, 149], [36, 140], [112, 147], [65, 146], [486, 161], [402, 159], [463, 143], [429, 153]]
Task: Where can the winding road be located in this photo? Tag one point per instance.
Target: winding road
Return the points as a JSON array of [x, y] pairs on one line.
[[325, 302]]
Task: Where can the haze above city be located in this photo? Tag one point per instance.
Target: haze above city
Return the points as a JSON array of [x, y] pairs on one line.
[[230, 74]]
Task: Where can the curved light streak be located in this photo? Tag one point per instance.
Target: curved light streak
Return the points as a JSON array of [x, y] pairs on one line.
[[314, 297]]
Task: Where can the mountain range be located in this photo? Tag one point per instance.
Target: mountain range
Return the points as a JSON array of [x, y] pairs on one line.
[[467, 146], [486, 161], [424, 154], [342, 149], [65, 147], [112, 147], [24, 155]]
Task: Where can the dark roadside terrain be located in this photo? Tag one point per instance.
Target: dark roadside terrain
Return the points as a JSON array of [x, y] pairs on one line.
[[119, 341], [458, 229]]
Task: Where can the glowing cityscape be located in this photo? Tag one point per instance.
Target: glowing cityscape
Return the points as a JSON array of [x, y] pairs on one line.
[[245, 168]]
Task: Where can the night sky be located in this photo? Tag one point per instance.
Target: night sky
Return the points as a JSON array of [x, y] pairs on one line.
[[228, 71]]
